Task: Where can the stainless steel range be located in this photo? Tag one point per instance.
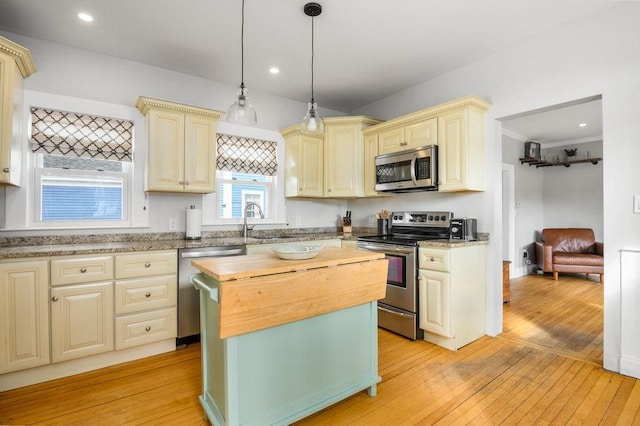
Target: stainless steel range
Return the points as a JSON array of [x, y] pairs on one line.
[[398, 311]]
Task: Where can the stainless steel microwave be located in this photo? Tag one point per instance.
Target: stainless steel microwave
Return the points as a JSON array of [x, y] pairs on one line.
[[407, 171]]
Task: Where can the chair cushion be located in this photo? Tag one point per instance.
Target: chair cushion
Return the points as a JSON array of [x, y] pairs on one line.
[[569, 240], [581, 259]]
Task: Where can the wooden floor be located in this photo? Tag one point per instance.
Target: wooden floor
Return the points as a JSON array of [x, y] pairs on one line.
[[503, 380]]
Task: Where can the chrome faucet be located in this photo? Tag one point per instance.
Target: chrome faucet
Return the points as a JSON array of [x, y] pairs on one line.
[[246, 229]]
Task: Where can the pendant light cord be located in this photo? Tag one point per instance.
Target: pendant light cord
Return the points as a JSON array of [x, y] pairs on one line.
[[312, 56], [242, 50]]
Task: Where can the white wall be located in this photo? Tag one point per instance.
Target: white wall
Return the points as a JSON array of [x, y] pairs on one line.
[[594, 56], [573, 195], [529, 201]]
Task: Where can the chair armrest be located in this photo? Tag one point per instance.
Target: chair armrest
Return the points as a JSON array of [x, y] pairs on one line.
[[544, 256], [600, 248]]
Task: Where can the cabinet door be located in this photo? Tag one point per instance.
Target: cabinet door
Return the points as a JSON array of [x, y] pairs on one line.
[[200, 154], [81, 320], [391, 141], [24, 315], [310, 166], [344, 160], [10, 123], [370, 153], [166, 151], [434, 291], [421, 134]]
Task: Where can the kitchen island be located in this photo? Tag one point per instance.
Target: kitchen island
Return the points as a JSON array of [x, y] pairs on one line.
[[282, 339]]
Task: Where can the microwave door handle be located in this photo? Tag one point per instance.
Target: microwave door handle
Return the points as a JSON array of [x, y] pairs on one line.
[[413, 169]]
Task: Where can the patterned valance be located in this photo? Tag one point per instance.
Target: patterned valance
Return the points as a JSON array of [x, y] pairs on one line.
[[246, 155], [80, 135]]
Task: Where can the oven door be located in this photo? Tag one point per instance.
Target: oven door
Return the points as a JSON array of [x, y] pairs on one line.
[[401, 274]]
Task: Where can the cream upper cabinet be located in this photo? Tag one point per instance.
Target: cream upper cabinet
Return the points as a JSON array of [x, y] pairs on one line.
[[461, 148], [452, 294], [370, 153], [345, 155], [24, 314], [304, 164], [182, 146], [414, 135], [16, 64]]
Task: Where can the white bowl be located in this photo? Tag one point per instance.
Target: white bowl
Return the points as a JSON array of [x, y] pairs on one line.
[[296, 251]]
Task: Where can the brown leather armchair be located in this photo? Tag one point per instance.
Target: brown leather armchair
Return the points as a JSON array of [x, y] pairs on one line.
[[570, 250]]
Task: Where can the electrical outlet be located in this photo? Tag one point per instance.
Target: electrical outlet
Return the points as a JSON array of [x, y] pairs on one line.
[[298, 221], [636, 203], [173, 224], [525, 253]]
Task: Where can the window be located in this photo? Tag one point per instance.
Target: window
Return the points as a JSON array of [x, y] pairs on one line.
[[82, 168], [246, 171]]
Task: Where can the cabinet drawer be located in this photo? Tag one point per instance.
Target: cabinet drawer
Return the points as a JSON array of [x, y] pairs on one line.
[[433, 259], [147, 263], [75, 270], [146, 293], [146, 327]]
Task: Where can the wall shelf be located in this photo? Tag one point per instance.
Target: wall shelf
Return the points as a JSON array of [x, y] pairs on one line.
[[542, 163]]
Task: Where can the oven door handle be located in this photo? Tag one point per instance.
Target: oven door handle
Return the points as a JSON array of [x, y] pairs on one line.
[[386, 249], [413, 169], [394, 312]]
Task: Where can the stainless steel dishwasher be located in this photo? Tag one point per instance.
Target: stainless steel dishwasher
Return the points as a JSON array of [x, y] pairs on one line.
[[188, 300]]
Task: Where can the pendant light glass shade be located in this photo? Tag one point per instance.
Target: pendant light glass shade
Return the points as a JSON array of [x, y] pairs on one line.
[[312, 124], [241, 111]]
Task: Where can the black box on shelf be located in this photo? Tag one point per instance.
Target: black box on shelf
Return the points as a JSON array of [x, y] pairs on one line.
[[532, 149]]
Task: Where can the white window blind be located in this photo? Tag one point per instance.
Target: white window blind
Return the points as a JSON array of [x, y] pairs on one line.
[[246, 155]]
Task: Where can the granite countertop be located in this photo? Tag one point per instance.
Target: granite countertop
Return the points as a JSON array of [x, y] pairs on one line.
[[12, 248], [61, 247]]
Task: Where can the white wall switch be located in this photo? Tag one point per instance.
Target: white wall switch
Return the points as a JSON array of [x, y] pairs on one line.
[[636, 203]]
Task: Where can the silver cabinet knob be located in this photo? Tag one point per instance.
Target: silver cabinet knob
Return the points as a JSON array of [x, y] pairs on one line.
[[5, 170], [147, 294], [433, 259], [147, 265], [187, 183], [148, 328], [54, 298], [83, 270]]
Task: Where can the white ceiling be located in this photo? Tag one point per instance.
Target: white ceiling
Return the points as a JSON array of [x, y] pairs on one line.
[[365, 49]]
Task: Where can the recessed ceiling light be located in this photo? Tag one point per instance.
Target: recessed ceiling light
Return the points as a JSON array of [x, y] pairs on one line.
[[582, 125], [274, 70], [83, 16]]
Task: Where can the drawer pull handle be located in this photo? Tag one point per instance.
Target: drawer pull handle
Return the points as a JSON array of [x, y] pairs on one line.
[[147, 294], [148, 328], [147, 265], [54, 298], [83, 270]]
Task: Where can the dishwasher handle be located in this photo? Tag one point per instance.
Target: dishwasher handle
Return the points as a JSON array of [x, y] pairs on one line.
[[214, 252]]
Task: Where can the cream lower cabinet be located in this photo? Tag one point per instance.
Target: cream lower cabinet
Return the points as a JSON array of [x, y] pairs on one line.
[[266, 248], [145, 298], [303, 164], [16, 64], [81, 306], [452, 294], [345, 156], [24, 314], [182, 146]]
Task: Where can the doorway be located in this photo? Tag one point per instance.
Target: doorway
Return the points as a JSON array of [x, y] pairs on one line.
[[549, 197]]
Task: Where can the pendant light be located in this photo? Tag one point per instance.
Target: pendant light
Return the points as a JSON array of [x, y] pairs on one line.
[[312, 123], [241, 111]]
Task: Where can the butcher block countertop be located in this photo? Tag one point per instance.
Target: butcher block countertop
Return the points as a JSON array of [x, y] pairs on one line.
[[258, 291], [238, 267]]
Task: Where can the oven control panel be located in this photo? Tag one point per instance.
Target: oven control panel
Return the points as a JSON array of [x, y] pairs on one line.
[[421, 219]]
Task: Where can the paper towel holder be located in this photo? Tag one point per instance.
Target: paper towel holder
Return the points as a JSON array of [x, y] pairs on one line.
[[193, 224]]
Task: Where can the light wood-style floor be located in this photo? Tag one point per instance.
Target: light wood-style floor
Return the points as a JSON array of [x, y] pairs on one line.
[[503, 380]]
